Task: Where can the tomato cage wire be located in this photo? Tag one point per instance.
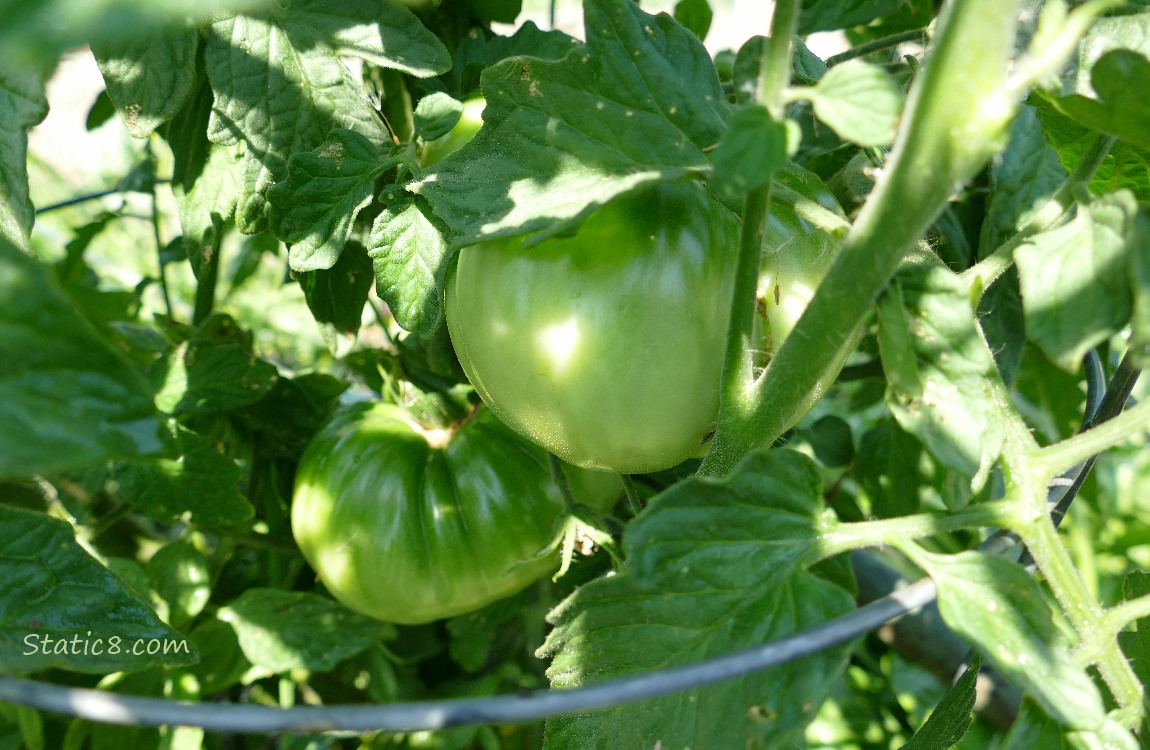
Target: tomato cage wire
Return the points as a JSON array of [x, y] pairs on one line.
[[105, 707]]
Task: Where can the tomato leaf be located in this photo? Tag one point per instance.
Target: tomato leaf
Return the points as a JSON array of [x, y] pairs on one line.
[[313, 209], [477, 50], [148, 77], [22, 105], [974, 591], [1022, 180], [436, 114], [711, 567], [285, 630], [939, 366], [67, 397], [657, 105], [222, 662], [860, 102], [181, 575], [410, 255], [1136, 643], [951, 718], [1074, 279], [336, 296], [1140, 281], [213, 371], [201, 485], [750, 152], [280, 87], [60, 608], [695, 15], [824, 15]]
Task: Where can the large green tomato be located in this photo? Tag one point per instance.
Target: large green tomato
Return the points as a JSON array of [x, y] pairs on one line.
[[605, 348], [411, 525]]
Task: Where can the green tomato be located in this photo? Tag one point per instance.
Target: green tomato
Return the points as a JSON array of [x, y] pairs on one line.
[[411, 525], [796, 257], [605, 348], [463, 131]]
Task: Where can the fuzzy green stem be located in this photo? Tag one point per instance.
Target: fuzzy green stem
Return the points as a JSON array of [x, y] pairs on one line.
[[1059, 457], [207, 281], [1118, 617], [775, 73], [843, 537], [1083, 611]]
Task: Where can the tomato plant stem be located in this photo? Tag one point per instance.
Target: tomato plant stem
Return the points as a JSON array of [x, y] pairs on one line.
[[842, 537], [775, 73], [1062, 455], [1083, 611], [955, 120]]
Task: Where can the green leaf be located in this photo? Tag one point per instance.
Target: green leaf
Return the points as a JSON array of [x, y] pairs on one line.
[[314, 208], [148, 77], [896, 472], [750, 152], [995, 604], [1034, 729], [336, 296], [410, 254], [638, 104], [478, 50], [294, 409], [1074, 279], [831, 440], [22, 105], [695, 15], [1126, 165], [951, 718], [67, 397], [832, 15], [1140, 281], [35, 35], [285, 630], [1022, 180], [1136, 643], [860, 102], [1119, 111], [712, 566], [436, 114], [280, 87], [939, 368], [182, 577], [222, 663], [59, 608], [201, 486], [213, 371]]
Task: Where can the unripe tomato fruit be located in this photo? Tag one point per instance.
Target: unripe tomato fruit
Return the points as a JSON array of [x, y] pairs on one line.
[[463, 131], [410, 525], [605, 348]]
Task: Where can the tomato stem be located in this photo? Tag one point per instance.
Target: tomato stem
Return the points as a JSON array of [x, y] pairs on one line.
[[956, 118]]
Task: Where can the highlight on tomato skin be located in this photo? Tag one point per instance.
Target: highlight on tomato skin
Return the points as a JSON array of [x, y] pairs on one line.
[[606, 347], [410, 526], [470, 122]]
